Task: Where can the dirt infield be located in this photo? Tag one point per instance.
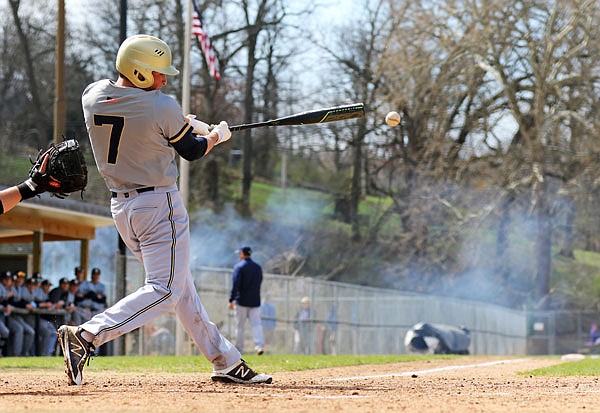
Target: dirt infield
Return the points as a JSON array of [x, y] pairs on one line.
[[469, 384]]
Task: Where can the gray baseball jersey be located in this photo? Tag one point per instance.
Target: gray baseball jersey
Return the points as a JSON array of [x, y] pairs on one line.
[[87, 286], [132, 131]]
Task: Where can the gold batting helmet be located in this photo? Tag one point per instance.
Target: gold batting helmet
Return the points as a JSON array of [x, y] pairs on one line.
[[140, 55]]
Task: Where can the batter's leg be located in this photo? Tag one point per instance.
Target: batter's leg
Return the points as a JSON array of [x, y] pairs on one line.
[[205, 334], [132, 312], [147, 225]]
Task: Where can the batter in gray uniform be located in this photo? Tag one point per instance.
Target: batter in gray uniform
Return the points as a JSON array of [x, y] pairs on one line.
[[136, 132]]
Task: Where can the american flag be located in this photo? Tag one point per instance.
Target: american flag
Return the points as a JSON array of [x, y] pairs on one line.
[[204, 42]]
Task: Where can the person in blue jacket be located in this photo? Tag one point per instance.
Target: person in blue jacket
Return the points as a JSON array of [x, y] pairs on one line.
[[245, 298]]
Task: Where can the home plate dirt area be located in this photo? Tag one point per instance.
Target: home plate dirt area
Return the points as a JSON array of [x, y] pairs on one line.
[[465, 384]]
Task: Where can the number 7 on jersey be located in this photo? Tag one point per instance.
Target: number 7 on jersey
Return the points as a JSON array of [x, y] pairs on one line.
[[117, 124]]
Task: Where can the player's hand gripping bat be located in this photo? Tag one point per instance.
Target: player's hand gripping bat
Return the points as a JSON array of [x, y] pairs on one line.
[[333, 114]]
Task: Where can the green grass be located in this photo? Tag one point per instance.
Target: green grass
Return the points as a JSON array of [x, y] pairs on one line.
[[585, 367], [589, 258], [192, 364], [267, 363]]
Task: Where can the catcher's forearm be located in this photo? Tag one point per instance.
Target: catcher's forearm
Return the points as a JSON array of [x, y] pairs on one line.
[[9, 197]]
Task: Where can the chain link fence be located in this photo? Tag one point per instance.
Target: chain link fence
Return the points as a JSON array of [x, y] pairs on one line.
[[345, 318]]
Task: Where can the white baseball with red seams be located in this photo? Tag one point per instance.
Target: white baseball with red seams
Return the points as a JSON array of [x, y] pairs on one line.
[[392, 118]]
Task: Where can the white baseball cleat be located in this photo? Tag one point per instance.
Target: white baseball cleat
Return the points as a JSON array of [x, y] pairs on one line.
[[76, 351], [240, 372]]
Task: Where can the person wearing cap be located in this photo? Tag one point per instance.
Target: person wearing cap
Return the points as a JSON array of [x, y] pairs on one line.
[[303, 327], [75, 314], [24, 335], [46, 330], [245, 298], [58, 297], [82, 303], [79, 276], [93, 293], [4, 313], [136, 135], [44, 325], [16, 333], [268, 318], [20, 278], [29, 295]]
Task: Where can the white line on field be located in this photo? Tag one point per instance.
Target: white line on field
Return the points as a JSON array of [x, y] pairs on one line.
[[438, 369], [309, 396]]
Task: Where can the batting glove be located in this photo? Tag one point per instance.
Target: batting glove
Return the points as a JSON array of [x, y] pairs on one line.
[[199, 127], [223, 131]]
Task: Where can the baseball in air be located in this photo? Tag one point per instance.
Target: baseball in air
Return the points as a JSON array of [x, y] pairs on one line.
[[392, 118]]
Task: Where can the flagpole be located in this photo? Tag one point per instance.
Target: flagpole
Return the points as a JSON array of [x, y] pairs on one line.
[[184, 166]]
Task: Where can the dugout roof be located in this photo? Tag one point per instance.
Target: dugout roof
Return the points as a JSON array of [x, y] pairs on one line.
[[47, 218], [57, 219]]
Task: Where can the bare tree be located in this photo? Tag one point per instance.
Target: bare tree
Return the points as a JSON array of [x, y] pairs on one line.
[[35, 44], [355, 61], [445, 101], [539, 62]]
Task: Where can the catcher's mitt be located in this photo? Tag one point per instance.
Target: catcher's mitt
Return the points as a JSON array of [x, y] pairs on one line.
[[65, 170]]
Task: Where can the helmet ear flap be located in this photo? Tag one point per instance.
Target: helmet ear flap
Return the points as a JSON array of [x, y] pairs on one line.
[[142, 78]]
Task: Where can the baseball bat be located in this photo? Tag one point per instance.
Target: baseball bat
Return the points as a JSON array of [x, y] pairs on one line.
[[333, 114]]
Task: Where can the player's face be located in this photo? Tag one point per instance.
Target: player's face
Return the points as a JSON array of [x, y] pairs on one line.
[[160, 80]]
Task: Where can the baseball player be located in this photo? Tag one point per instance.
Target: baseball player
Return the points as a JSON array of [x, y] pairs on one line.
[[245, 298], [22, 335], [4, 313], [136, 132], [93, 293]]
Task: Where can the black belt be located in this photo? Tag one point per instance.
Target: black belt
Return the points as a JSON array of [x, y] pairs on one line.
[[139, 191]]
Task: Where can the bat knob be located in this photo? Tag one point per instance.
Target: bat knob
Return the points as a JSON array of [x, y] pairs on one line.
[[211, 127]]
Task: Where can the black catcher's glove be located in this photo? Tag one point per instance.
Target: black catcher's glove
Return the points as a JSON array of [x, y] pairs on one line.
[[65, 171]]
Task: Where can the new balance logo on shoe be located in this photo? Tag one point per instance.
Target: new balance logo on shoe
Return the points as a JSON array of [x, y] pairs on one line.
[[77, 350], [240, 373]]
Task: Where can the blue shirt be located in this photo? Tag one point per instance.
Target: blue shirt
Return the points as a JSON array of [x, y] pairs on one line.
[[267, 314], [247, 278]]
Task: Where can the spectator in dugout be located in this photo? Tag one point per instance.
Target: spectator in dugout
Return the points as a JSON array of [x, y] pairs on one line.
[[75, 314], [84, 312], [43, 333], [46, 330], [21, 336], [4, 313], [92, 294], [59, 296], [20, 280], [79, 276]]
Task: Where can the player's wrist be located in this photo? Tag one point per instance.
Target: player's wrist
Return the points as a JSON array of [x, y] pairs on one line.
[[28, 189], [216, 137]]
